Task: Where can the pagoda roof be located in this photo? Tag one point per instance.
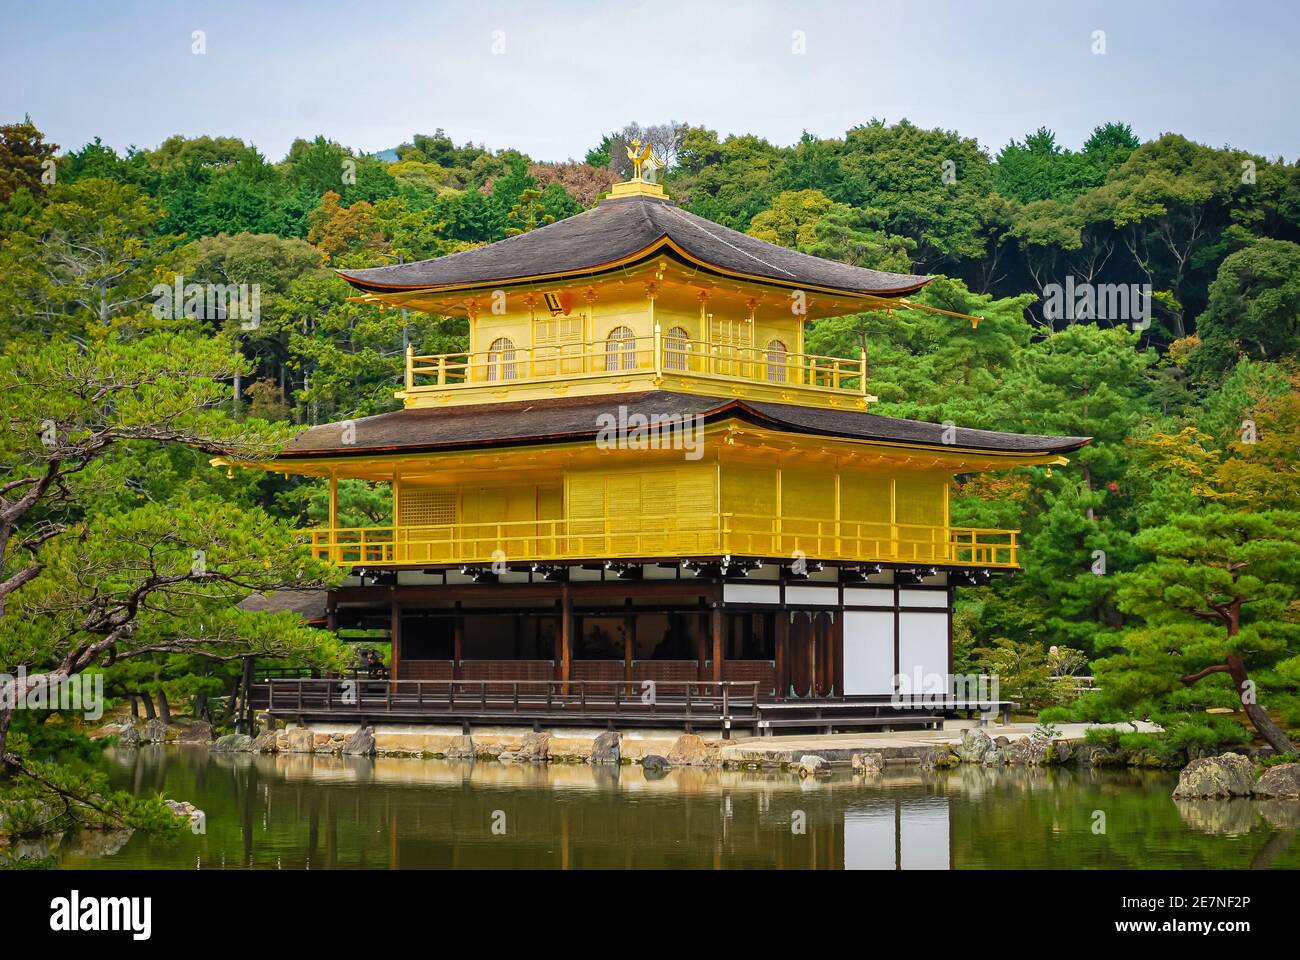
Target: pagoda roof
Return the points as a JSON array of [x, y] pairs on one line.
[[623, 231], [574, 419]]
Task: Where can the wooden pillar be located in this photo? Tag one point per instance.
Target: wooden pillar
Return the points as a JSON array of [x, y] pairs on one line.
[[457, 643], [717, 641], [782, 652], [395, 635], [629, 639], [701, 655], [331, 612], [566, 636], [334, 519]]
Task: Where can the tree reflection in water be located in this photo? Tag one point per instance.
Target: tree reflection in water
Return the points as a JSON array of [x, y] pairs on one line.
[[322, 812]]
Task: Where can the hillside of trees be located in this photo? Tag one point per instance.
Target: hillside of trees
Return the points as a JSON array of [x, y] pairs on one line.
[[1165, 560]]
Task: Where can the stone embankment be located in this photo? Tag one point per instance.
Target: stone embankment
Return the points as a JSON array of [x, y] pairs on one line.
[[1227, 776]]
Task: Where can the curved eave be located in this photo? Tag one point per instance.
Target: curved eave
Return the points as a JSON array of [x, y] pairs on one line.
[[664, 242], [735, 418]]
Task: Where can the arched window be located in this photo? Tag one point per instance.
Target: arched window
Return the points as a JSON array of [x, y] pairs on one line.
[[501, 359], [620, 349], [675, 347], [776, 361]]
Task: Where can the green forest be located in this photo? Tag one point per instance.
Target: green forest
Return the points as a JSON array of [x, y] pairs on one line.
[[1164, 561]]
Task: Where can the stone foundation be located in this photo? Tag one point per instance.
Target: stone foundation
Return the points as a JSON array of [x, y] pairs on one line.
[[560, 745]]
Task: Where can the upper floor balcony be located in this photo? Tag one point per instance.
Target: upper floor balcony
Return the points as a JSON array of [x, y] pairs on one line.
[[624, 362], [704, 534]]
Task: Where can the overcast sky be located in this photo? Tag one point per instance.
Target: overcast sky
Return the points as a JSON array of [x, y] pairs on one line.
[[370, 74]]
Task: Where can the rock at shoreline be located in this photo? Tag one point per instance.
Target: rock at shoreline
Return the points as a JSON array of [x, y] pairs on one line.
[[187, 810], [607, 748], [299, 740], [1282, 781], [1228, 775], [533, 748], [266, 742], [128, 736], [811, 765], [652, 761], [360, 744], [975, 743], [868, 764], [155, 731], [232, 743], [25, 812], [1017, 753], [1095, 755], [461, 748], [939, 757], [200, 731], [691, 750]]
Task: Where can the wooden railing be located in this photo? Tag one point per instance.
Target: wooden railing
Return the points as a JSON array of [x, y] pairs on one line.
[[659, 354], [719, 704], [702, 534]]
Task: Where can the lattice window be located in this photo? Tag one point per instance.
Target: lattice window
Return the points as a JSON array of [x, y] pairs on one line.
[[620, 349], [426, 507], [697, 498], [777, 360], [501, 359], [675, 346]]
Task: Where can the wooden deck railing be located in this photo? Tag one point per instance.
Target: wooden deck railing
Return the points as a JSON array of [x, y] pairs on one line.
[[661, 354], [702, 534], [704, 703]]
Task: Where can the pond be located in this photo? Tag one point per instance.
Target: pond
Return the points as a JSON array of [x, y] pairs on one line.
[[322, 812]]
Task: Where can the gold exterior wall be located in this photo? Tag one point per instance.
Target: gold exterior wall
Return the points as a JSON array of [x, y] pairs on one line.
[[738, 499]]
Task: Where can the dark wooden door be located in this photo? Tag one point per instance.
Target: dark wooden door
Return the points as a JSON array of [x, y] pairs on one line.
[[823, 661], [801, 655]]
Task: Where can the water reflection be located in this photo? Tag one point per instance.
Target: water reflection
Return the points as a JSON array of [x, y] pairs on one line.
[[302, 811], [898, 836]]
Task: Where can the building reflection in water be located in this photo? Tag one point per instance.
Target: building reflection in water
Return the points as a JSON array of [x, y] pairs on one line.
[[318, 812], [912, 834]]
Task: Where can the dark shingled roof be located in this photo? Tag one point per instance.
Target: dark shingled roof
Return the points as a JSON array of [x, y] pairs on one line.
[[565, 418], [618, 229]]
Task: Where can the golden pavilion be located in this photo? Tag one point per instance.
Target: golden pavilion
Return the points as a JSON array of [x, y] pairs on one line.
[[637, 478]]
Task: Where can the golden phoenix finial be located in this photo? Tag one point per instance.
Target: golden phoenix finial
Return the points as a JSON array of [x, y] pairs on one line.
[[638, 156]]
